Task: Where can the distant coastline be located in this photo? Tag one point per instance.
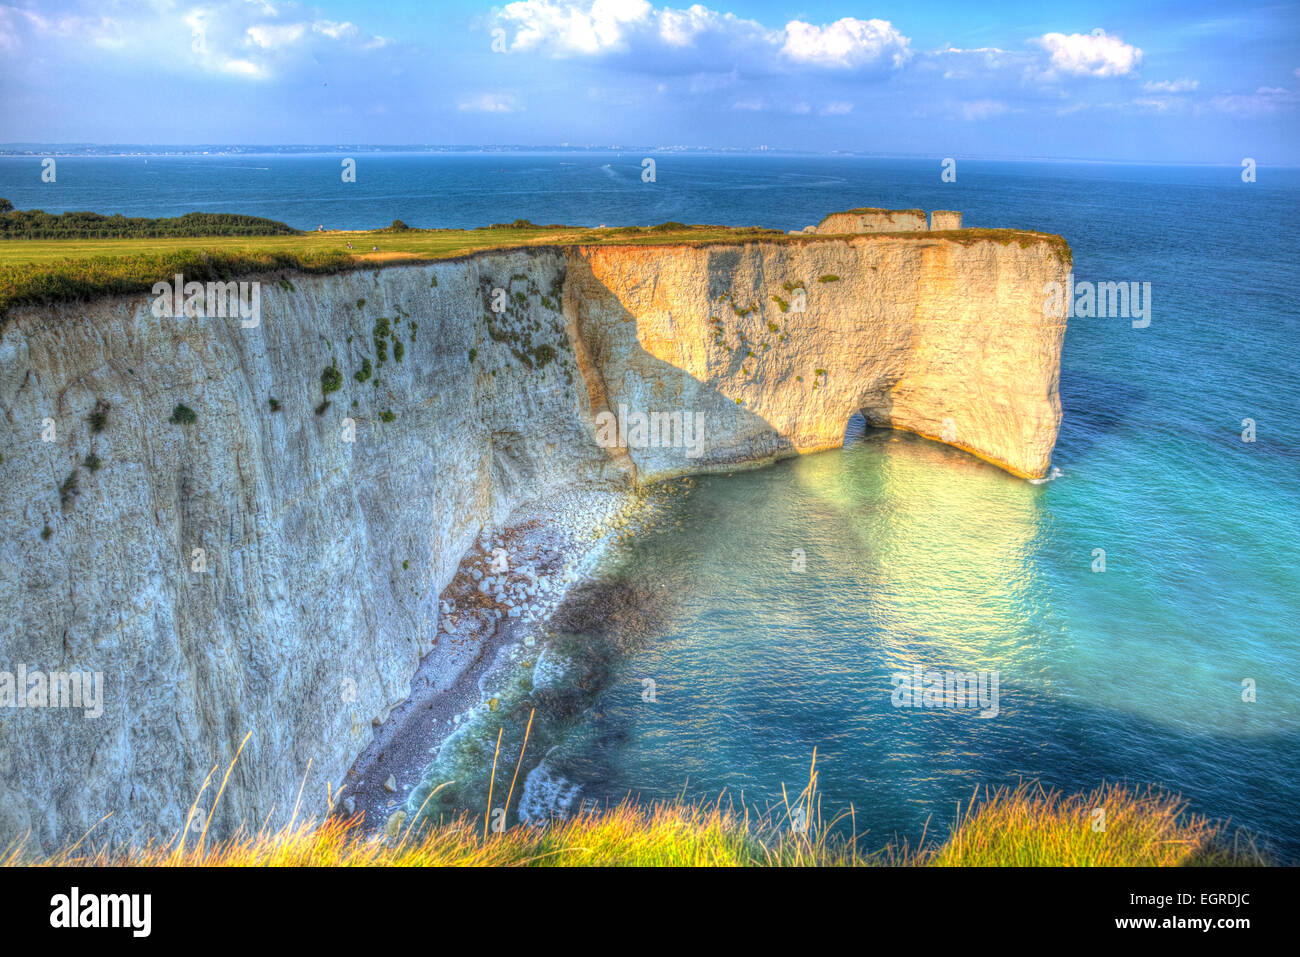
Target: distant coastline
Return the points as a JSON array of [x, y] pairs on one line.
[[65, 150]]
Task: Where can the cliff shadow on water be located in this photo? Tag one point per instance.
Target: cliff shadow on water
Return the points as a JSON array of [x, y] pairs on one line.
[[691, 335], [531, 699]]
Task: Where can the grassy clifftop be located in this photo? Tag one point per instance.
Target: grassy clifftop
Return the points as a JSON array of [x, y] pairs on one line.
[[874, 211], [42, 271]]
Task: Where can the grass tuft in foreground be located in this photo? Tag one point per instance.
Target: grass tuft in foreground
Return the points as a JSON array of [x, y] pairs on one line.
[[1113, 826], [1023, 826]]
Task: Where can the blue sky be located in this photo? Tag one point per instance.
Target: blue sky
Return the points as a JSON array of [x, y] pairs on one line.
[[1164, 82]]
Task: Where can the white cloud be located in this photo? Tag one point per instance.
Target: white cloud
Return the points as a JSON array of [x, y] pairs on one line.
[[846, 43], [1185, 85], [1153, 104], [983, 109], [994, 51], [567, 27], [335, 31], [1090, 54], [488, 103], [680, 28], [963, 64], [273, 36], [249, 41], [695, 39], [245, 68], [836, 108], [1266, 99]]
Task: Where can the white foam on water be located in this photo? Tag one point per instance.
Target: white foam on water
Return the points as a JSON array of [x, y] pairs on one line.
[[1049, 477], [546, 796], [549, 670]]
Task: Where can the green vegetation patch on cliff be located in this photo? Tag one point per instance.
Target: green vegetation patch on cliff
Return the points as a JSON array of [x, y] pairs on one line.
[[331, 380], [73, 280]]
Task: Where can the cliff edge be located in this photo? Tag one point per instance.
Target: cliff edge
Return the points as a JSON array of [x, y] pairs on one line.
[[240, 540]]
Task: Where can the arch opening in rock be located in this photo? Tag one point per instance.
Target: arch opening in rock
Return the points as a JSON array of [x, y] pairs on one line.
[[855, 429]]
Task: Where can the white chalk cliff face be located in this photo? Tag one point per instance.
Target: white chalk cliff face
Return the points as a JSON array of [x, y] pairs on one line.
[[327, 533]]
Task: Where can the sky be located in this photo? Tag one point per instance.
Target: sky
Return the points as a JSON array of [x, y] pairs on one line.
[[1186, 81]]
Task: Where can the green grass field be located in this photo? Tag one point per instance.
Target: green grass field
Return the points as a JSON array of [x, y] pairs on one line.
[[411, 244], [43, 271]]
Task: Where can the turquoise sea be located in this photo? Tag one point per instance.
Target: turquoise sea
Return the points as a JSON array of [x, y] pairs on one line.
[[917, 554]]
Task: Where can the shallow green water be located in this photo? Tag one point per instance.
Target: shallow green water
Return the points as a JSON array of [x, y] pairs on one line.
[[920, 555], [915, 554]]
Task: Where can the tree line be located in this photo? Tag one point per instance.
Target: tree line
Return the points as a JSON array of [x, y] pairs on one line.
[[38, 224]]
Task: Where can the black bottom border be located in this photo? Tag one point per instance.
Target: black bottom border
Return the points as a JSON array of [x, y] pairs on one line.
[[378, 907]]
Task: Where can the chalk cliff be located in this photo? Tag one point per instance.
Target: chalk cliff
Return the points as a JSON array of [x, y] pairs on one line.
[[274, 567], [867, 220]]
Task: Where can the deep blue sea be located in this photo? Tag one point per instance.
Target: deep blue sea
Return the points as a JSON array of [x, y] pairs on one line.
[[918, 554]]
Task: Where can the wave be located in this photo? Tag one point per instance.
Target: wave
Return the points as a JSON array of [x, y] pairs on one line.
[[547, 795], [1051, 476]]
